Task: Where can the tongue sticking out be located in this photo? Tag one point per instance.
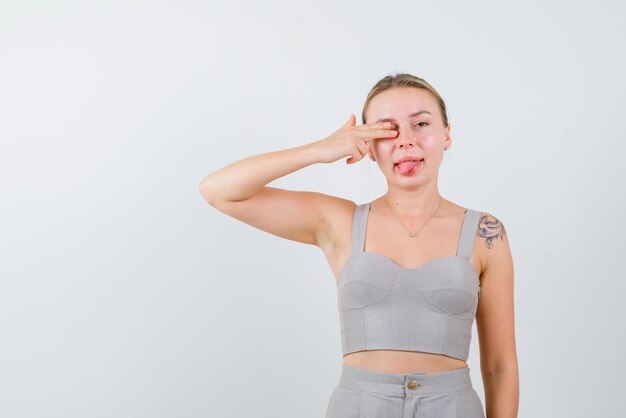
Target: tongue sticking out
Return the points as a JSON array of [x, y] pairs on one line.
[[406, 166]]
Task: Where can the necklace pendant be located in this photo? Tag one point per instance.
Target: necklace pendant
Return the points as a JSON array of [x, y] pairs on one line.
[[412, 234]]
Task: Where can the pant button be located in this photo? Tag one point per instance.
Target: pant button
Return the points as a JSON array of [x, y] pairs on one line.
[[412, 385]]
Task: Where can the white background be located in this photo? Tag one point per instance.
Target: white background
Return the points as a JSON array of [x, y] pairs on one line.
[[123, 294]]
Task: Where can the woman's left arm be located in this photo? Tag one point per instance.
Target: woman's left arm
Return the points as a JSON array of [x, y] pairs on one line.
[[495, 321]]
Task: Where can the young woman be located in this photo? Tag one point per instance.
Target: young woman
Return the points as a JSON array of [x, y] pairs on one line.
[[413, 269]]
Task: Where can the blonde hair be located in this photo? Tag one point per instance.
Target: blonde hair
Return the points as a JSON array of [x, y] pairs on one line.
[[405, 80]]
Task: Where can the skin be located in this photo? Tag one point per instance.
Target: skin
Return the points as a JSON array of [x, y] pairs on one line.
[[240, 190]]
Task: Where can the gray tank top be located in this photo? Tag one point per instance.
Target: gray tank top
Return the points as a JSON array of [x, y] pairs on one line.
[[429, 309]]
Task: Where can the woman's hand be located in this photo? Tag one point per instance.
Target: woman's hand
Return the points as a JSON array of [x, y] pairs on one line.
[[349, 141]]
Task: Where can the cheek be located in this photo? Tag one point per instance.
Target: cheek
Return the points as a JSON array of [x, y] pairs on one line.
[[383, 146], [432, 142]]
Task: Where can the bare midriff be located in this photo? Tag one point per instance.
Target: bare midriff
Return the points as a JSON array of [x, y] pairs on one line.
[[398, 361]]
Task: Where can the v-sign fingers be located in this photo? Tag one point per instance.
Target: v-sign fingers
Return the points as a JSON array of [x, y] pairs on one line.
[[379, 133]]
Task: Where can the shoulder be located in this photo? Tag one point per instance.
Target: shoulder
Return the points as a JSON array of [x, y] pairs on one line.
[[492, 242], [490, 229]]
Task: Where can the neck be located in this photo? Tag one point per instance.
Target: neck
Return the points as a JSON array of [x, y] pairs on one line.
[[415, 202]]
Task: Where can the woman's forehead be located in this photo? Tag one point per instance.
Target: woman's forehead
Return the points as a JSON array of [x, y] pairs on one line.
[[401, 103]]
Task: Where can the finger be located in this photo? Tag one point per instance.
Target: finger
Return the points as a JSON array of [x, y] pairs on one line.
[[357, 153], [379, 133], [362, 149], [379, 125], [376, 126]]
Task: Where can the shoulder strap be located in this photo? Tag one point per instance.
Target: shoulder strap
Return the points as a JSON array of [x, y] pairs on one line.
[[468, 233], [359, 221]]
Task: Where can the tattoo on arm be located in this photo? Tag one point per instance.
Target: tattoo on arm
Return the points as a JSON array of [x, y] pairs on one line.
[[491, 229]]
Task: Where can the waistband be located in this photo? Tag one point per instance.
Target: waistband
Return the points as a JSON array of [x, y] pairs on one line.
[[414, 383]]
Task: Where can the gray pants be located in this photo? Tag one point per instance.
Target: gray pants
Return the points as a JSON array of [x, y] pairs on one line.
[[366, 393]]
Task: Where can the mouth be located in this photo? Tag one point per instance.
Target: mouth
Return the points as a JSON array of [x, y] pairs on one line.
[[408, 166]]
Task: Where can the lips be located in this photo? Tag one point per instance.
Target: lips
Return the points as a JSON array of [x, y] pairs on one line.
[[408, 158]]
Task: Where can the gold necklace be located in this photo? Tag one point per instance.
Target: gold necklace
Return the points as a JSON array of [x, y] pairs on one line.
[[413, 234]]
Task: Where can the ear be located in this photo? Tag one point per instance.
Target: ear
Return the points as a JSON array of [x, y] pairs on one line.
[[447, 138]]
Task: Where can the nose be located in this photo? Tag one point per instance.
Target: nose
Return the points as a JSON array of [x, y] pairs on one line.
[[405, 137]]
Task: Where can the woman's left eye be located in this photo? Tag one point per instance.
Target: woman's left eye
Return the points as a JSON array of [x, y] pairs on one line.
[[419, 123]]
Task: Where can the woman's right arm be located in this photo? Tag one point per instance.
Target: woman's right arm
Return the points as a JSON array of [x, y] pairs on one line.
[[239, 189], [242, 179]]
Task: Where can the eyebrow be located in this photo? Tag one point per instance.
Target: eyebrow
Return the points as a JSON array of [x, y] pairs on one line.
[[411, 115]]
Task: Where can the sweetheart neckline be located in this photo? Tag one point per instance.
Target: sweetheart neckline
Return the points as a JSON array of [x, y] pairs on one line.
[[398, 266]]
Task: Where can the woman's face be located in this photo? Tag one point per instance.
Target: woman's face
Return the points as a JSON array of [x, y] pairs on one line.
[[415, 114]]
